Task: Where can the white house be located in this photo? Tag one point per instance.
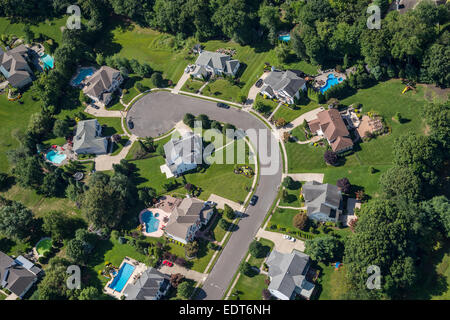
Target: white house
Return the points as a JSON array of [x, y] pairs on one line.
[[283, 85], [183, 154], [216, 64], [187, 218], [102, 84]]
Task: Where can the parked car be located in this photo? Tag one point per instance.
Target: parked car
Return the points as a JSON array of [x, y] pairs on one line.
[[187, 70], [223, 105], [253, 200], [288, 238], [259, 83], [168, 263], [130, 125]]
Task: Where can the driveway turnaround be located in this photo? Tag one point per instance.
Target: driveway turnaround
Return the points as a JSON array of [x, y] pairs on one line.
[[157, 113]]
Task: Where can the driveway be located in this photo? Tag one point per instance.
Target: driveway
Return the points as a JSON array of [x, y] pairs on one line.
[[254, 90], [306, 176], [190, 274], [281, 245], [158, 112], [308, 116], [222, 201], [181, 82]]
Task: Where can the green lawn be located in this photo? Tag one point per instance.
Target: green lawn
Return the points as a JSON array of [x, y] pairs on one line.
[[290, 114], [267, 246], [271, 105], [192, 85], [119, 146], [331, 284], [114, 126], [198, 264], [283, 218], [222, 89], [293, 199], [2, 296], [299, 133]]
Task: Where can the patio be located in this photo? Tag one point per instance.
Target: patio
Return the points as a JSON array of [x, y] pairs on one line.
[[321, 79], [137, 272], [158, 214]]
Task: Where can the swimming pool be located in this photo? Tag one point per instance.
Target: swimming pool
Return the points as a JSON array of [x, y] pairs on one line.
[[83, 74], [48, 61], [122, 277], [285, 37], [56, 157], [331, 81], [151, 223]]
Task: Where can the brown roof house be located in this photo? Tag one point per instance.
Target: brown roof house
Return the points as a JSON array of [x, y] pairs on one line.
[[102, 84], [187, 218], [17, 275], [14, 66], [329, 124]]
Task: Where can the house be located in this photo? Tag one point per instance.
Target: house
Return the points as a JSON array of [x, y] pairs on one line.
[[14, 66], [183, 154], [187, 218], [100, 86], [323, 201], [88, 138], [329, 124], [288, 273], [17, 275], [151, 285], [216, 64], [283, 85]]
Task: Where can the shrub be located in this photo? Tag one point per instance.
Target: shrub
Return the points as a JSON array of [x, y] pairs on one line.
[[299, 220], [344, 185], [330, 157], [256, 249], [266, 294], [288, 182], [245, 268]]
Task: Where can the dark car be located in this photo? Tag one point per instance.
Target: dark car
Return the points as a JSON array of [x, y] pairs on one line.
[[223, 105], [253, 200], [130, 125], [259, 83]]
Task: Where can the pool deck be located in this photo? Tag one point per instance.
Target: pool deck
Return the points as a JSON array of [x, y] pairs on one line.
[[161, 217], [65, 149], [81, 84], [138, 271], [321, 79]]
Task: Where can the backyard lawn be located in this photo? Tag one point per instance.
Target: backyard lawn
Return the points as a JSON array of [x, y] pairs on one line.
[[290, 114], [331, 284]]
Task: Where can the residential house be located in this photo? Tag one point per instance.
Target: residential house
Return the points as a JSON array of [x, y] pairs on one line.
[[323, 201], [283, 85], [329, 124], [216, 64], [88, 138], [288, 275], [101, 85], [151, 285], [183, 154], [17, 275], [187, 218], [14, 66]]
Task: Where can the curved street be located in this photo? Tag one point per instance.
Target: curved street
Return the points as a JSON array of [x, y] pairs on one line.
[[157, 113]]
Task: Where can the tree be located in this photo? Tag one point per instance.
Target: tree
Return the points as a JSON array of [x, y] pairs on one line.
[[89, 293], [176, 279], [228, 212], [191, 249], [269, 17], [438, 211], [157, 80], [435, 63], [330, 157], [53, 184], [147, 195], [40, 124], [28, 34], [256, 249], [185, 290], [189, 120], [437, 117], [299, 220], [288, 183], [53, 285], [75, 250], [344, 185], [61, 128], [282, 53], [3, 180], [324, 249], [401, 181], [245, 268], [16, 221], [58, 225], [224, 224]]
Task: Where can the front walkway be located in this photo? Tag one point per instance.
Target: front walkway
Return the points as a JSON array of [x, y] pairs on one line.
[[190, 274], [281, 245], [306, 176]]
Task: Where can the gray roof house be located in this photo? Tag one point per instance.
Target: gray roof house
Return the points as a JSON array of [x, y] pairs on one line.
[[184, 154], [17, 275], [88, 139], [284, 85], [287, 272], [187, 218], [102, 84], [323, 201], [14, 66], [151, 285], [216, 64]]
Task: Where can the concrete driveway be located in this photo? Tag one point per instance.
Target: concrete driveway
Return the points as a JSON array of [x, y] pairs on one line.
[[190, 274], [281, 245], [306, 176], [158, 112], [254, 90], [222, 201]]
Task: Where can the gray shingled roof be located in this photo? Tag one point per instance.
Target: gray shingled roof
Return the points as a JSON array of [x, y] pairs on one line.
[[216, 60], [319, 196], [287, 271], [283, 80], [187, 149], [147, 285], [15, 277], [86, 137], [14, 65], [100, 81]]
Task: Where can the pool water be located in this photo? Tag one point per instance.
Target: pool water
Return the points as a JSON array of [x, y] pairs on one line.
[[151, 223], [56, 157], [286, 37], [83, 74], [48, 61], [122, 277], [331, 81]]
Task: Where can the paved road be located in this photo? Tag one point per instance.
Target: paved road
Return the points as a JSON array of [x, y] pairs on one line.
[[157, 113]]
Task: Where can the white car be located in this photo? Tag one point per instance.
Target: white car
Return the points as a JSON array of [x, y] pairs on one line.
[[288, 238], [187, 70]]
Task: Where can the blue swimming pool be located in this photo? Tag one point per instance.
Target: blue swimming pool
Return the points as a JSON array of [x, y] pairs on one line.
[[83, 74], [122, 277], [151, 223], [55, 157], [331, 81], [48, 61], [285, 37]]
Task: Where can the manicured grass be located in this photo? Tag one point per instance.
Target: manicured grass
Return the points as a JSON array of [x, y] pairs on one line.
[[331, 284], [114, 126], [299, 133], [272, 105], [192, 85], [43, 246], [283, 218], [119, 146], [293, 199], [267, 246], [2, 296], [304, 158], [250, 288], [222, 89], [290, 114], [198, 264]]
